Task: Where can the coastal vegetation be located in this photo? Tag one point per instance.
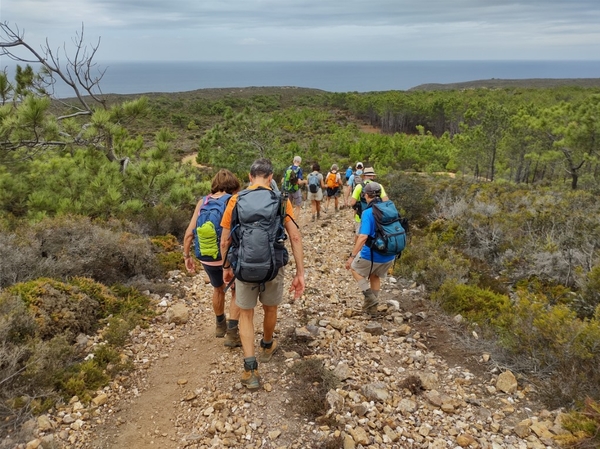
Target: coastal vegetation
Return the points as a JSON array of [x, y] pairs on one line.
[[94, 200]]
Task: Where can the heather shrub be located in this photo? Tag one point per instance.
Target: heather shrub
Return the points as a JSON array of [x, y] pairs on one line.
[[431, 263], [590, 293], [411, 194], [477, 305], [584, 426], [64, 247], [562, 349], [58, 308], [39, 354], [162, 220], [169, 256]]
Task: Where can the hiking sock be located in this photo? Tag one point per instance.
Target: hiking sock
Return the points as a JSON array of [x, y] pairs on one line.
[[264, 344], [364, 284], [220, 318], [376, 292], [232, 324], [250, 363]]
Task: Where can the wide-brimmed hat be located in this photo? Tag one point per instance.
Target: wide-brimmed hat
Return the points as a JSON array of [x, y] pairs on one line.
[[372, 188], [369, 171], [359, 165]]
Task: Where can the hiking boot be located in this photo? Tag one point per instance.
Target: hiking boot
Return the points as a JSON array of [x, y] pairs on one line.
[[313, 217], [221, 329], [370, 302], [251, 379], [318, 215], [266, 353], [232, 338]]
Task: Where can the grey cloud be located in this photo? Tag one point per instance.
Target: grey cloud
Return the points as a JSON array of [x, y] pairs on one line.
[[313, 13]]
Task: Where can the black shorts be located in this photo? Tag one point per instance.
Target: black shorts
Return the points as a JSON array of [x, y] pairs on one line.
[[331, 192], [215, 274]]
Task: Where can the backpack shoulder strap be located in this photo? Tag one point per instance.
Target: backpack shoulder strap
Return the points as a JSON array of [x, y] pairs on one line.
[[204, 202]]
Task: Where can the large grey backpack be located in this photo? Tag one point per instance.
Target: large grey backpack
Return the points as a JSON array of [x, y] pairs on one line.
[[257, 236]]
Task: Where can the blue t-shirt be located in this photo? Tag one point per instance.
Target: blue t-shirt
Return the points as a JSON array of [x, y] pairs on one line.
[[367, 227], [349, 173], [298, 171]]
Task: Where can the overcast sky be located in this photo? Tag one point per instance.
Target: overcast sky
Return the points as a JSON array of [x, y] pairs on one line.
[[315, 30]]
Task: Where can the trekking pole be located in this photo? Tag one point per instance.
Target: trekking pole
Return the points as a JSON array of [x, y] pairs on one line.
[[229, 284]]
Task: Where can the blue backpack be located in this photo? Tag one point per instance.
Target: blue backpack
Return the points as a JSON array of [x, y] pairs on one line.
[[313, 183], [390, 235], [207, 234], [348, 173]]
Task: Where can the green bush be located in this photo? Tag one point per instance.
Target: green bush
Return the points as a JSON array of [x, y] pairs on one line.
[[477, 305], [590, 293], [564, 350], [584, 426], [431, 263]]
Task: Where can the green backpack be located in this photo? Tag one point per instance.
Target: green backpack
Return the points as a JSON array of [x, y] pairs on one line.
[[290, 179]]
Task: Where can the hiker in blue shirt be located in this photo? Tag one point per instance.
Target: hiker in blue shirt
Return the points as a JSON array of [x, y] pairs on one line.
[[369, 267]]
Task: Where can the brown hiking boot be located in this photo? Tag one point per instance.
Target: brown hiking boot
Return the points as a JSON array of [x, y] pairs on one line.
[[251, 379], [221, 329], [232, 338], [266, 353]]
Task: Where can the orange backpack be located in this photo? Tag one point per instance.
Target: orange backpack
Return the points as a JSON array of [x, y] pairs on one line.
[[332, 180]]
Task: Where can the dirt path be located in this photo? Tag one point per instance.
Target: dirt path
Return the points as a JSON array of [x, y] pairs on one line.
[[185, 390]]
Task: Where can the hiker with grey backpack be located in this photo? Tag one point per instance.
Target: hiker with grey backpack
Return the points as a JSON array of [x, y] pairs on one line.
[[256, 224], [316, 186]]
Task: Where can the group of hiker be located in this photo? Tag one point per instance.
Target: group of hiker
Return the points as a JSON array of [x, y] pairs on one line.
[[239, 235]]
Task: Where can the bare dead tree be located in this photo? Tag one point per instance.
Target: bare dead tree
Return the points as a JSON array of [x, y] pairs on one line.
[[79, 72]]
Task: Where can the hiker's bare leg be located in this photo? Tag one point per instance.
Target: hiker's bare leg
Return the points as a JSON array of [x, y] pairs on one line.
[[269, 322], [375, 282], [218, 300], [246, 326], [234, 309]]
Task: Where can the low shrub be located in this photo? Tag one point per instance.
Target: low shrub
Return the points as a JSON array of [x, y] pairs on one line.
[[584, 426], [40, 360], [477, 305], [561, 349], [312, 382], [65, 247]]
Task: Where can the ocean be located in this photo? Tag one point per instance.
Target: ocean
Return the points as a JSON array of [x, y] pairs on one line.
[[364, 76]]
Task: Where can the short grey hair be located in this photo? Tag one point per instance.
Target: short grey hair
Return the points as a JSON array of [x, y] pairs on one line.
[[297, 160], [261, 167]]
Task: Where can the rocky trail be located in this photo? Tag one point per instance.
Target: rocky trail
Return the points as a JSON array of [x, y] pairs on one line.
[[403, 380]]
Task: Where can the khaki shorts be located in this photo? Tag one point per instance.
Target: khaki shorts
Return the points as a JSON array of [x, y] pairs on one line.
[[315, 196], [363, 267], [296, 198], [248, 295]]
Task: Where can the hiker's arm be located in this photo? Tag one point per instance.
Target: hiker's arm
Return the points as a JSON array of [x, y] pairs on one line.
[[384, 196], [296, 240], [360, 241], [188, 238], [224, 246]]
